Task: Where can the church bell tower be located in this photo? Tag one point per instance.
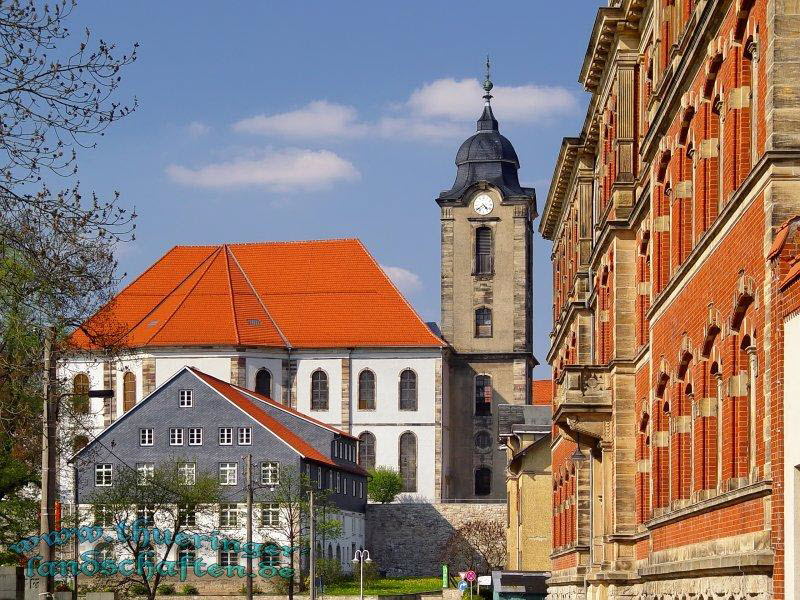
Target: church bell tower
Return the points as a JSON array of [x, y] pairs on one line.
[[486, 287]]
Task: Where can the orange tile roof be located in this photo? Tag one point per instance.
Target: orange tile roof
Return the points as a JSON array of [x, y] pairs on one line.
[[235, 395], [542, 392], [315, 294]]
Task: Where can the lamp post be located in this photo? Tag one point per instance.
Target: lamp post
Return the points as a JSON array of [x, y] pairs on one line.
[[360, 557]]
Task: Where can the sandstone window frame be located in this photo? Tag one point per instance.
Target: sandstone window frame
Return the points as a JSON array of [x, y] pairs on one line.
[[128, 391], [483, 259], [483, 322], [483, 389], [407, 460], [81, 403]]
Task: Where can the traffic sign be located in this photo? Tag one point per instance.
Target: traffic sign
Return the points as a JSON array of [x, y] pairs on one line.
[[462, 585], [470, 576]]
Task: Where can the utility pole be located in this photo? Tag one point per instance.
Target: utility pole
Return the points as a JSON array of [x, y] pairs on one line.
[[48, 486], [312, 547], [248, 469]]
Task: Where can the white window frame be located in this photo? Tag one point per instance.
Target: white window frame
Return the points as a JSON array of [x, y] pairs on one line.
[[320, 483], [185, 399], [244, 436], [146, 436], [273, 510], [227, 468], [270, 472], [187, 473], [145, 473], [195, 432], [230, 510], [338, 482], [106, 473], [176, 436], [228, 561], [228, 433]]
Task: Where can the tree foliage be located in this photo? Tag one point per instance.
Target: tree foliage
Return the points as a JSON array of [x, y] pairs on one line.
[[384, 484], [58, 93], [168, 499], [478, 544]]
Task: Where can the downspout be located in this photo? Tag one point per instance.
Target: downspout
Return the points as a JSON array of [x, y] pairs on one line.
[[350, 390], [290, 381], [76, 514]]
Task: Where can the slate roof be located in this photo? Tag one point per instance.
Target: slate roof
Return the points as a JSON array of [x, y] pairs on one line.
[[524, 418], [487, 156], [312, 294], [249, 402]]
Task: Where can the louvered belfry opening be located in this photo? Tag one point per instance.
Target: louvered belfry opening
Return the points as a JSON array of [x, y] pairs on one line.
[[483, 251]]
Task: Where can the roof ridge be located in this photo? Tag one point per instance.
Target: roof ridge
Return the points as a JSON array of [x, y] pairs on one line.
[[290, 410], [210, 260], [399, 293], [230, 295], [286, 341], [269, 242]]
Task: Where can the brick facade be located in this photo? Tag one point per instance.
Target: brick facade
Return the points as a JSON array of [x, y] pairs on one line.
[[673, 245]]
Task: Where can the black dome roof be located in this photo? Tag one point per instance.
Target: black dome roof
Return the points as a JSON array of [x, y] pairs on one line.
[[487, 156]]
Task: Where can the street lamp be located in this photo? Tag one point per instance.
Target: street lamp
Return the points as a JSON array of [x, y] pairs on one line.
[[361, 556]]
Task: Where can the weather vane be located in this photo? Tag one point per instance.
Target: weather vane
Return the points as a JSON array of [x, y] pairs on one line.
[[487, 83]]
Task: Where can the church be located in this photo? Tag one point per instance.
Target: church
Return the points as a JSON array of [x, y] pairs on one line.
[[319, 327]]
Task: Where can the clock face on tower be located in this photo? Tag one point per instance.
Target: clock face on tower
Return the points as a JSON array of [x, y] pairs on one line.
[[483, 204]]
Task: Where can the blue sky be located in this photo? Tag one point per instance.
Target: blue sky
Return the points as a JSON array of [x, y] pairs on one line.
[[306, 120]]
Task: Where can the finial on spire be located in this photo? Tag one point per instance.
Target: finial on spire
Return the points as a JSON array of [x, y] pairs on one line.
[[487, 83]]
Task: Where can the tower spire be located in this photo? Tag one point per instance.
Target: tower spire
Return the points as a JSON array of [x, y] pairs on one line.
[[487, 82]]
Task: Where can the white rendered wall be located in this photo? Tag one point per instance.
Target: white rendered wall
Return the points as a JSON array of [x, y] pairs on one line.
[[791, 456]]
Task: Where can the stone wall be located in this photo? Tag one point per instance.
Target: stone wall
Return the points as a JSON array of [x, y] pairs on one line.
[[407, 539]]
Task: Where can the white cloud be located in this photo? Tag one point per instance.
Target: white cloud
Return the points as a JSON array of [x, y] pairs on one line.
[[407, 281], [196, 129], [461, 100], [318, 119], [411, 128], [277, 170]]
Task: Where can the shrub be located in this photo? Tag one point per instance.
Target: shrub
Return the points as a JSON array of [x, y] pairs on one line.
[[256, 589], [190, 590], [384, 484], [371, 571], [137, 589], [165, 589], [330, 570], [63, 587]]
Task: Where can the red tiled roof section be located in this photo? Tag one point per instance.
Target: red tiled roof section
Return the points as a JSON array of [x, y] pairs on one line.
[[542, 392], [316, 294], [236, 397]]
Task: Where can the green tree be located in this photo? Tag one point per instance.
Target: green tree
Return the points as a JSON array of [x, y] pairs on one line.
[[167, 499], [384, 484], [291, 497], [57, 265]]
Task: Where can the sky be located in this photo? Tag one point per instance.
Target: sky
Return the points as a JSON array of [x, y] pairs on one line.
[[312, 120]]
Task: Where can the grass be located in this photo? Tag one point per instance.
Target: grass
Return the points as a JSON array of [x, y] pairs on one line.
[[388, 586]]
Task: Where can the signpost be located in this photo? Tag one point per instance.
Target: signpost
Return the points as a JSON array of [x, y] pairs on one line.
[[470, 576]]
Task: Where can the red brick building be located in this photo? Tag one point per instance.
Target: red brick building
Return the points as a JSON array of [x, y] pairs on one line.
[[676, 265]]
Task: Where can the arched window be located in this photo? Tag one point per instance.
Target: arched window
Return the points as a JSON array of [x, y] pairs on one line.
[[408, 390], [483, 481], [483, 322], [319, 390], [408, 461], [80, 391], [366, 450], [483, 395], [128, 391], [330, 552], [483, 251], [366, 390], [338, 553], [264, 383]]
